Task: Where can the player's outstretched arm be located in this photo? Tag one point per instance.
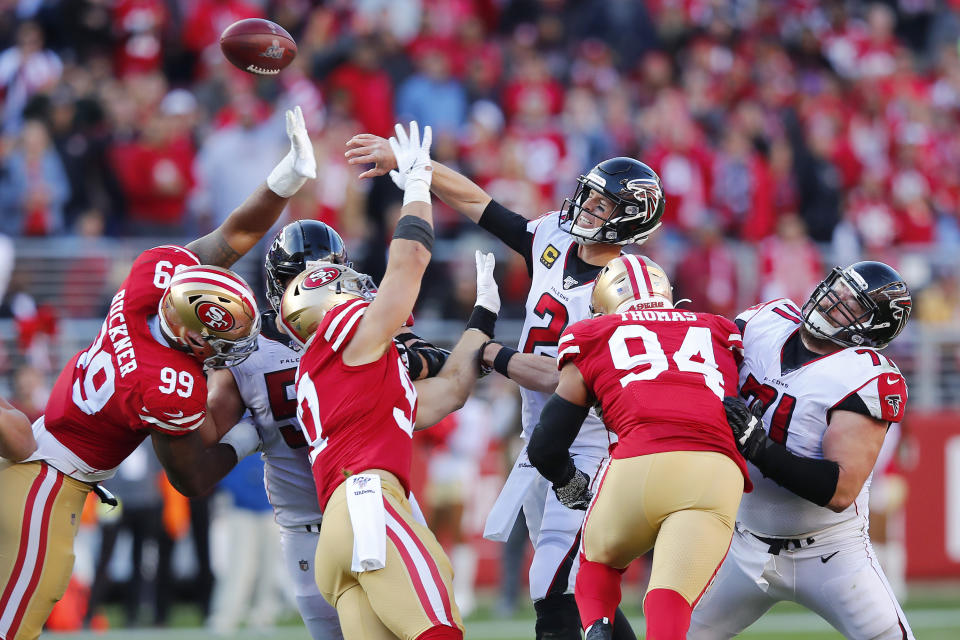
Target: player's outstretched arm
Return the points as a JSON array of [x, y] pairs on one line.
[[449, 390], [16, 436], [410, 252], [529, 370], [251, 220], [459, 192]]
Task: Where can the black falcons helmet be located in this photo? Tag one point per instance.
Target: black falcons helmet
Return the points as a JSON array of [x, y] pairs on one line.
[[865, 305], [639, 201], [296, 244]]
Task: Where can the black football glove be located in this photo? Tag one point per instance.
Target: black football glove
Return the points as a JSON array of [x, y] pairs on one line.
[[747, 428], [575, 492]]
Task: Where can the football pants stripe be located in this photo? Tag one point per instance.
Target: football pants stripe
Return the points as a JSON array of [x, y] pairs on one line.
[[33, 541], [601, 476], [426, 568], [347, 328], [332, 327], [425, 603]]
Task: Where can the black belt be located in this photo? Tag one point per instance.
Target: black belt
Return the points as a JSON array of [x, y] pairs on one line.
[[779, 544]]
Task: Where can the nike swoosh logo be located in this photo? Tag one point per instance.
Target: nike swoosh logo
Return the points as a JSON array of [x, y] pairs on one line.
[[825, 559], [178, 414], [892, 381]]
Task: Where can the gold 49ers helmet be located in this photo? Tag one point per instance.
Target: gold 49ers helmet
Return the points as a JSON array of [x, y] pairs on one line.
[[317, 290], [630, 279], [211, 313]]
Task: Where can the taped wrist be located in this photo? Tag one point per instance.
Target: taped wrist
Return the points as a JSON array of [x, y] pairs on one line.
[[483, 368], [811, 479], [502, 360], [416, 229], [482, 319], [416, 190], [550, 441]]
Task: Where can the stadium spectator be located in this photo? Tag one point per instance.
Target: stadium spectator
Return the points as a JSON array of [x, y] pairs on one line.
[[26, 69], [34, 186]]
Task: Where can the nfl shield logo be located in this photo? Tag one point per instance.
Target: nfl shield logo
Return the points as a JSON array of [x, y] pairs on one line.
[[304, 565]]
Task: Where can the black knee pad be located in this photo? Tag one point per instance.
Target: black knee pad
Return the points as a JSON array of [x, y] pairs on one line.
[[557, 617]]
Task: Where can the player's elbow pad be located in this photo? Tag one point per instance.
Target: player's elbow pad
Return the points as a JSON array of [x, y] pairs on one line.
[[550, 442], [810, 478]]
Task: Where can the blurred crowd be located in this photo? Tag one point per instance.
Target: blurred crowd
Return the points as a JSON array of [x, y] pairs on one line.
[[789, 134], [792, 125]]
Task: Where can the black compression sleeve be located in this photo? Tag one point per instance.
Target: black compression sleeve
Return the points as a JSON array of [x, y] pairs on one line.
[[511, 228], [550, 441], [811, 479]]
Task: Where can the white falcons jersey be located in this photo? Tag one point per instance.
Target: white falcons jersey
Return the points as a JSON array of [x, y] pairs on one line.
[[555, 302], [266, 381], [797, 405]]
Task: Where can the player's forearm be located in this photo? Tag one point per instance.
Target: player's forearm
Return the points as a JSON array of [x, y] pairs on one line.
[[16, 436], [209, 468], [242, 229], [812, 479], [549, 446], [529, 370], [459, 192], [448, 391]]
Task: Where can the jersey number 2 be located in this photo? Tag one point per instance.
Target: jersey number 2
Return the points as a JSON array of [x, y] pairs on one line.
[[549, 335]]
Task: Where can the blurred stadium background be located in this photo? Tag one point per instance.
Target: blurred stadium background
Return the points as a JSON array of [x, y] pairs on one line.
[[791, 135]]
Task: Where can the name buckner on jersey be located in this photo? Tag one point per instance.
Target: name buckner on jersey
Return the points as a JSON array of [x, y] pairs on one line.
[[116, 325]]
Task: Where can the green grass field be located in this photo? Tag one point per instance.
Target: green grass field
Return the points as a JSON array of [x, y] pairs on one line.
[[933, 613]]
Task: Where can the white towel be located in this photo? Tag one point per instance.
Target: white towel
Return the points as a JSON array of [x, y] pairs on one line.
[[503, 515], [365, 505]]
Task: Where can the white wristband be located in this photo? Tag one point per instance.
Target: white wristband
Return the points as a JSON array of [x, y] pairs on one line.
[[243, 437], [284, 180], [416, 191]]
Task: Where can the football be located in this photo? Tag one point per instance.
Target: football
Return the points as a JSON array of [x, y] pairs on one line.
[[258, 46]]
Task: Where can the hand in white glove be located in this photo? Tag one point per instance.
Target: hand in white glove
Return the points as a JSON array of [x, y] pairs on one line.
[[299, 163], [412, 155], [243, 437], [488, 294]]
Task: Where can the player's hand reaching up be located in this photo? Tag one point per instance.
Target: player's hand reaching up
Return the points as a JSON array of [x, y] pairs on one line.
[[488, 294], [298, 165], [412, 156], [366, 148]]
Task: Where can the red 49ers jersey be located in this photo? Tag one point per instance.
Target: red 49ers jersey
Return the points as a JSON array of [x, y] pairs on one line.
[[660, 377], [354, 418], [109, 397]]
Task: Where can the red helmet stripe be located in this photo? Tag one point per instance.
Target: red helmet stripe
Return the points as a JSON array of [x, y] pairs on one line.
[[633, 265], [228, 281]]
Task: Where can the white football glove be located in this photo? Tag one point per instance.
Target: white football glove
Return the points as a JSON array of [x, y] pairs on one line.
[[299, 164], [488, 294], [243, 437], [414, 170]]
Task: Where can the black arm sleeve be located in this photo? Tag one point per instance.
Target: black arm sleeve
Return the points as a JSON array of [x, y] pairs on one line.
[[511, 228], [550, 441], [811, 479]]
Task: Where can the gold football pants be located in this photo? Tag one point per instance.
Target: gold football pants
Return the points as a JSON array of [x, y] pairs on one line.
[[682, 502], [39, 517], [411, 594]]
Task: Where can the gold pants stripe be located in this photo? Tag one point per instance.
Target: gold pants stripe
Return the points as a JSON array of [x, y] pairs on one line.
[[682, 504], [39, 515]]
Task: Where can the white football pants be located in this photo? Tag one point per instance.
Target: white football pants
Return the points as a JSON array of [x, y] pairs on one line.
[[839, 579]]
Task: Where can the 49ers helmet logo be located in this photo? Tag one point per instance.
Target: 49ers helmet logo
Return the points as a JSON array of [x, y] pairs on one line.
[[215, 317], [320, 277]]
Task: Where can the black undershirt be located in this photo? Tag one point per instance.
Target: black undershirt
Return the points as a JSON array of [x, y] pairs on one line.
[[511, 228]]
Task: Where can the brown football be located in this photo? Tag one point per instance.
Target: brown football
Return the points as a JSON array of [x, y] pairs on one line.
[[258, 46]]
